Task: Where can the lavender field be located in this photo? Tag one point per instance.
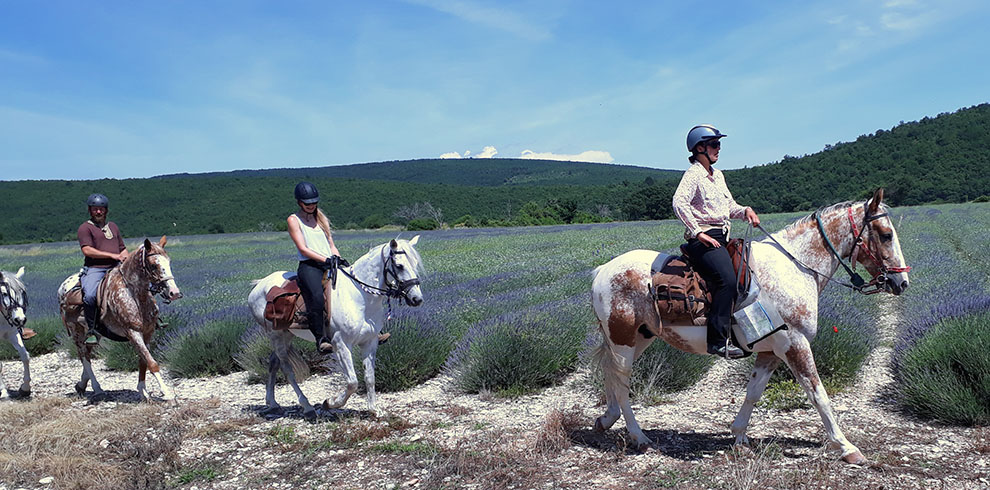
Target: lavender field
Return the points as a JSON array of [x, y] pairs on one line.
[[507, 309]]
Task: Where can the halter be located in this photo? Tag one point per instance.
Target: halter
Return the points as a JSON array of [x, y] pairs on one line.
[[153, 287], [8, 302], [876, 284]]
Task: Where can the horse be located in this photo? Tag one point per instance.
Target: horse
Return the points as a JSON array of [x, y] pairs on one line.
[[792, 267], [127, 310], [357, 315], [13, 307]]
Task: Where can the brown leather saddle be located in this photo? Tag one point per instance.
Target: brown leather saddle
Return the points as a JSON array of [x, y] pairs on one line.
[[681, 294], [285, 305]]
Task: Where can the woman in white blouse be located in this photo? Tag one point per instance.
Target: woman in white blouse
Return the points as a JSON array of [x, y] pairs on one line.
[[705, 205]]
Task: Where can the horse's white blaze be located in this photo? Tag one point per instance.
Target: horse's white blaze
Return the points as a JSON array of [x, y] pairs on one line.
[[620, 295]]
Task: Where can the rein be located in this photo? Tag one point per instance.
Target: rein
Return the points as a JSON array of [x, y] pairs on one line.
[[858, 284], [153, 287], [393, 288]]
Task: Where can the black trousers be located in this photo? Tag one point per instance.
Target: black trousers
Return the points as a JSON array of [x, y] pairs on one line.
[[310, 280], [715, 266]]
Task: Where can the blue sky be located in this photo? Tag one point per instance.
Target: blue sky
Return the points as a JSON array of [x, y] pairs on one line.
[[133, 89]]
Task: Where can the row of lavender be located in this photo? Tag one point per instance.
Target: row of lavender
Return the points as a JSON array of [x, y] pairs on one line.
[[507, 309]]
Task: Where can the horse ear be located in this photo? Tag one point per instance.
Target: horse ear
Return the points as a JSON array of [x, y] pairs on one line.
[[414, 240], [161, 243], [147, 244], [20, 272], [393, 243], [875, 202]]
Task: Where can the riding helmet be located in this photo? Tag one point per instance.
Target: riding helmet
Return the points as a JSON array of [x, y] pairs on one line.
[[98, 200], [307, 193], [702, 132]]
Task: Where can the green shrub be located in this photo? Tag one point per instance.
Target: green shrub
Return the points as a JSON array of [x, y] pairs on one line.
[[205, 350], [415, 353], [373, 222], [422, 224], [662, 369], [254, 349], [944, 376]]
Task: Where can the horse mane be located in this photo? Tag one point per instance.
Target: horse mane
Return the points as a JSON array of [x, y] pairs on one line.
[[410, 250], [831, 208], [14, 281]]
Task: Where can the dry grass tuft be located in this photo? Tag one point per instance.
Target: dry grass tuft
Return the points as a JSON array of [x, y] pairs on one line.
[[489, 461], [350, 431], [92, 447], [555, 434], [455, 410]]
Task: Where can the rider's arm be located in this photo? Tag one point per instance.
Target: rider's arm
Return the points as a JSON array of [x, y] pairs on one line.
[[297, 238], [685, 192], [94, 253], [120, 244], [333, 248]]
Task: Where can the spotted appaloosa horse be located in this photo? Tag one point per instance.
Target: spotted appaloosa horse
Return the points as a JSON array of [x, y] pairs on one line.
[[622, 303], [13, 308], [127, 309], [357, 315]]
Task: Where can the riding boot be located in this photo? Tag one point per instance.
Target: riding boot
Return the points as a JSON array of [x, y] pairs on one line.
[[323, 344], [719, 344], [89, 311]]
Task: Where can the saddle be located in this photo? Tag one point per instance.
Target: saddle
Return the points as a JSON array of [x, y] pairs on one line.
[[73, 301], [285, 307], [681, 294]]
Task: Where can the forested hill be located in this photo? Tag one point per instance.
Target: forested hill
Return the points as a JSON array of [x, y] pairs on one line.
[[940, 159]]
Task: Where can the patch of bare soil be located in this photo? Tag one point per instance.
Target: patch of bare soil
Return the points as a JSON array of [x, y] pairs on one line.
[[220, 437]]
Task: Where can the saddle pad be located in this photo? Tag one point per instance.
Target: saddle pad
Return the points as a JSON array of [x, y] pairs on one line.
[[283, 302], [73, 290], [679, 292]]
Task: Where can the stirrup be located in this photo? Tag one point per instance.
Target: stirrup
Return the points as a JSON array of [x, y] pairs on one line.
[[383, 337], [324, 342], [92, 339]]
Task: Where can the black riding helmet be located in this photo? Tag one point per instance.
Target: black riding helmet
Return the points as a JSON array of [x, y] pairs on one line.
[[98, 200], [307, 193]]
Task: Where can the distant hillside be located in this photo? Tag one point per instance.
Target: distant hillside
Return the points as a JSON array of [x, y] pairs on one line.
[[940, 159], [466, 172]]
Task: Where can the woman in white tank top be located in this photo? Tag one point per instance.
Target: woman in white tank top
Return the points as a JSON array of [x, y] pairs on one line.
[[310, 232]]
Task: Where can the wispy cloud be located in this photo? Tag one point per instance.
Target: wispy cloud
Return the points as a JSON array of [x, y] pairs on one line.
[[498, 18], [596, 156]]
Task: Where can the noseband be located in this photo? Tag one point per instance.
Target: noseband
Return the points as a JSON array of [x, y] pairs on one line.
[[870, 248], [395, 286]]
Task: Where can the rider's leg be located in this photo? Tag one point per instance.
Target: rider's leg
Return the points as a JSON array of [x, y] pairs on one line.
[[715, 266], [310, 277], [90, 281]]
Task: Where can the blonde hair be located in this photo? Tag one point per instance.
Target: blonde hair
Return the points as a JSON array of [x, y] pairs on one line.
[[323, 222]]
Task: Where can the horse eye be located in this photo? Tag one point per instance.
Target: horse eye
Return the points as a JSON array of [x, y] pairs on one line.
[[400, 267], [886, 236]]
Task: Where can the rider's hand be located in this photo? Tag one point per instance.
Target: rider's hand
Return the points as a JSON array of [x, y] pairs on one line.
[[343, 262], [752, 217], [331, 262], [708, 241]]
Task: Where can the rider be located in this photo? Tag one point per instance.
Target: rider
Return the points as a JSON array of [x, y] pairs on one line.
[[103, 249], [704, 204], [310, 232]]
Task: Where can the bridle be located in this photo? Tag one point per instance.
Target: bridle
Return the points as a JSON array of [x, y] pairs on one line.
[[8, 302], [870, 248], [394, 286], [154, 287]]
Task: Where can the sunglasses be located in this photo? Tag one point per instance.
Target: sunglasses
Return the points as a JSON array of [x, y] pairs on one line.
[[714, 144]]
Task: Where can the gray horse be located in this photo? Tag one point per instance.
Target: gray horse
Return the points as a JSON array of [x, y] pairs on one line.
[[13, 307]]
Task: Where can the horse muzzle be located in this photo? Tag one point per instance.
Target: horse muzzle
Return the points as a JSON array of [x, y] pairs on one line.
[[18, 318], [896, 283]]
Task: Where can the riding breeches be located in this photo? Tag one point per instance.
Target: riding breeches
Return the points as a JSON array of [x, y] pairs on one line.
[[310, 278], [715, 266], [90, 281]]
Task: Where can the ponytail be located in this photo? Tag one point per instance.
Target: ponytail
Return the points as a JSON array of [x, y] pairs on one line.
[[323, 222]]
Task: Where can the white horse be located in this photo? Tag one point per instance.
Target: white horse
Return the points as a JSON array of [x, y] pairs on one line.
[[13, 307], [862, 232], [357, 315]]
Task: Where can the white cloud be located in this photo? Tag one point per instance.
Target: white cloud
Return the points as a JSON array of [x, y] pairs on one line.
[[595, 156], [487, 152], [451, 154], [494, 17]]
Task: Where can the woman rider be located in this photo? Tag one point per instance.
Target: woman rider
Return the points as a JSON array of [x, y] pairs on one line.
[[310, 232], [704, 204]]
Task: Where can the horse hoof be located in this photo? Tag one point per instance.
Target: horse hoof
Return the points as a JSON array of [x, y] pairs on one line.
[[643, 448], [599, 428], [80, 389], [310, 414], [23, 394], [18, 395], [854, 457]]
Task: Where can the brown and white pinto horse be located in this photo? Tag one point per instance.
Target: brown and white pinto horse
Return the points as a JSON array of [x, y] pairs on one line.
[[127, 308], [622, 303]]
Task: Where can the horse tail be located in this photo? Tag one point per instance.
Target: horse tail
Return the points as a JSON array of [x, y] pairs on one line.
[[606, 360], [300, 368]]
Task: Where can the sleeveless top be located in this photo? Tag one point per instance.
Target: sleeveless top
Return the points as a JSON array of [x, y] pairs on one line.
[[314, 238]]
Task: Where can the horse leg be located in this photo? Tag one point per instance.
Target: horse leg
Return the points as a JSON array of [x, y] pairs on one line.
[[765, 363], [370, 351], [18, 343], [282, 341], [273, 366], [85, 354], [346, 361], [612, 412], [139, 341], [802, 363]]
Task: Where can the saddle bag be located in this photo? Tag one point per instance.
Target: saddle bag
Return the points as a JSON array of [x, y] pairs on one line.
[[281, 305], [679, 292]]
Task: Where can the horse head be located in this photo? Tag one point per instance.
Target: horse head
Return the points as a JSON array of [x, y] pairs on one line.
[[158, 266], [401, 270], [878, 248], [13, 298]]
